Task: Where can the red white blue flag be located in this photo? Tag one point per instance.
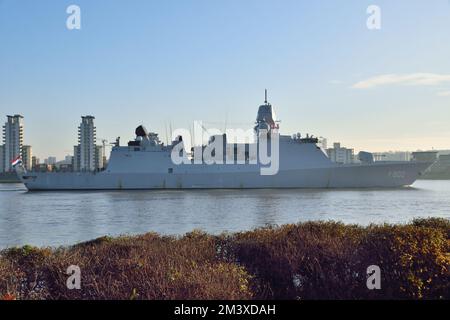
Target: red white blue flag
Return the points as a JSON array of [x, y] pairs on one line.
[[16, 161]]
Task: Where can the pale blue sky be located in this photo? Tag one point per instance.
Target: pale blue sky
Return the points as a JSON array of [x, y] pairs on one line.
[[155, 62]]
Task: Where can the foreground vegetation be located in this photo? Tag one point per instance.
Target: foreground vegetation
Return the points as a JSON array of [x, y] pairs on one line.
[[313, 260]]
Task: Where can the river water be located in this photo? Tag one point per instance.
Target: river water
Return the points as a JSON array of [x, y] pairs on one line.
[[62, 218]]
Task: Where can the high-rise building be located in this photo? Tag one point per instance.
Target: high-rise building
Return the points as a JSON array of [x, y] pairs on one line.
[[34, 162], [99, 164], [85, 152], [27, 156], [13, 140], [340, 155], [65, 165], [68, 159], [50, 161], [76, 159], [2, 161]]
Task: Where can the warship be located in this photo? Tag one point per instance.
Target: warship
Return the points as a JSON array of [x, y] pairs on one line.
[[147, 163]]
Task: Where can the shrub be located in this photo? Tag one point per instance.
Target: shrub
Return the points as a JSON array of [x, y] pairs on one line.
[[328, 260], [9, 280], [414, 260], [27, 272], [434, 223], [312, 260], [144, 267], [306, 261]]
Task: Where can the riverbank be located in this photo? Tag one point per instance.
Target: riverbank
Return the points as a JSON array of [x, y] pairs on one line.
[[312, 260], [9, 177]]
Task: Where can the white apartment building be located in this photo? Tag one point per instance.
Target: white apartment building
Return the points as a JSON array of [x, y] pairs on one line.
[[50, 161], [76, 159], [85, 152], [2, 161], [340, 155], [99, 161], [34, 162], [27, 156], [13, 140]]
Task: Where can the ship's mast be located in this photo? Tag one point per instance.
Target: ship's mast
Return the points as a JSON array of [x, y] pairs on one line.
[[265, 118]]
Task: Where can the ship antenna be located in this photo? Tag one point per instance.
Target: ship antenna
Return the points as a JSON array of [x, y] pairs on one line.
[[265, 96]]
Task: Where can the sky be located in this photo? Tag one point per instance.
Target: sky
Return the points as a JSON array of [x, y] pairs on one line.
[[167, 63]]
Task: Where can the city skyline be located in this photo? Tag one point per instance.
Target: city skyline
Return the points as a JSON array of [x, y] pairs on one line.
[[88, 140], [162, 64]]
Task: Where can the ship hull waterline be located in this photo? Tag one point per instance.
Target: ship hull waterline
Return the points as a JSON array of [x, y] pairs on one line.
[[382, 175]]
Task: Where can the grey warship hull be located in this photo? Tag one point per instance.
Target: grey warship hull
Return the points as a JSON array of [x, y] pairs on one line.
[[382, 175]]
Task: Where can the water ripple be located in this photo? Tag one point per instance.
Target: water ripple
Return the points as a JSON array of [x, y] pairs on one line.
[[62, 218]]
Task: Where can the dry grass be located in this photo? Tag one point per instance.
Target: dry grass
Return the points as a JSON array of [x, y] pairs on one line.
[[313, 260]]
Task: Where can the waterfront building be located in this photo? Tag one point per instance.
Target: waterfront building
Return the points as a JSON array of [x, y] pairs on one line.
[[425, 156], [85, 151], [2, 160], [68, 159], [34, 162], [99, 158], [76, 159], [392, 156], [43, 167], [340, 154], [27, 157], [65, 165], [50, 160], [12, 140]]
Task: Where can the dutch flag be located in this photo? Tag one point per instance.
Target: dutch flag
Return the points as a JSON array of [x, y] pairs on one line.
[[16, 161]]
